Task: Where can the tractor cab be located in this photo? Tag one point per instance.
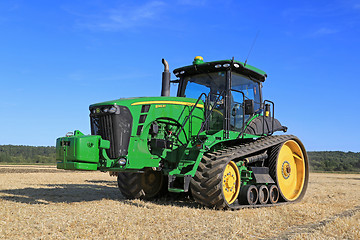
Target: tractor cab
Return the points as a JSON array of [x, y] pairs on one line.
[[230, 90]]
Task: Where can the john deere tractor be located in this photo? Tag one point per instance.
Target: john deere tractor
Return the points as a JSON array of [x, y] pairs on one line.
[[214, 140]]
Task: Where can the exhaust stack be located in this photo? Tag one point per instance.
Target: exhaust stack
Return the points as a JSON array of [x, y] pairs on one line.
[[165, 89]]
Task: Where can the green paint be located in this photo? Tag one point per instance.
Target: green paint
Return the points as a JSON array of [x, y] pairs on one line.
[[77, 166], [79, 152], [198, 61], [176, 190]]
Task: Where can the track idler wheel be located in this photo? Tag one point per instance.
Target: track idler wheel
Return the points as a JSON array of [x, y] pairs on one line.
[[288, 165], [146, 185], [263, 194], [249, 195], [273, 194]]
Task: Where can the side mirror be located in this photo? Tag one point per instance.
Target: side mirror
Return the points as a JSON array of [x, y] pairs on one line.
[[235, 109], [249, 106]]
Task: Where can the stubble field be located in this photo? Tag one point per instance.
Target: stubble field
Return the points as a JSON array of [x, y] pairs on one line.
[[41, 202]]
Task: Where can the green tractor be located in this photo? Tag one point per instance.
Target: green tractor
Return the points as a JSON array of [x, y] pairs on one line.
[[214, 141]]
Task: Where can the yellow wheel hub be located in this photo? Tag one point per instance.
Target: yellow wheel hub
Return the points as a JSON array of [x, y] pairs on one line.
[[231, 182], [151, 182], [286, 169], [290, 170]]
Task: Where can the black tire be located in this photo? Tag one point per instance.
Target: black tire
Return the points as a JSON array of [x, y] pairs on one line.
[[147, 185], [207, 184]]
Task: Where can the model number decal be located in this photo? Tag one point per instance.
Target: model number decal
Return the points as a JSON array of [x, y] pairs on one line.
[[160, 106]]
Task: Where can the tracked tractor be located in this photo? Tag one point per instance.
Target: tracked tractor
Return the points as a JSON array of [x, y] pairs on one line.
[[214, 141]]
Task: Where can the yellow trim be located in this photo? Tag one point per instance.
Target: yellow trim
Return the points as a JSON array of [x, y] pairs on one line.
[[291, 170], [168, 102]]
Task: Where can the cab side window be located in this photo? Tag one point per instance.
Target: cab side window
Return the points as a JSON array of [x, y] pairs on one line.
[[245, 88]]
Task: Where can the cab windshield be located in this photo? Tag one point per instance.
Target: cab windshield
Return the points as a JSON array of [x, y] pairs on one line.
[[213, 85], [207, 83]]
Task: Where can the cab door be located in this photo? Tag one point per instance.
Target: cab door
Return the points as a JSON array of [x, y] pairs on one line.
[[242, 88]]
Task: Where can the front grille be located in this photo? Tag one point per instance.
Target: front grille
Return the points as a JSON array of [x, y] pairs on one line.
[[115, 127]]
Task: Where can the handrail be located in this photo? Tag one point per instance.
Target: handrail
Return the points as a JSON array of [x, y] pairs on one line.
[[192, 110], [208, 115], [273, 117]]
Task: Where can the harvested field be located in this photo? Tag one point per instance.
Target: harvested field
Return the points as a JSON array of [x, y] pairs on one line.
[[45, 203]]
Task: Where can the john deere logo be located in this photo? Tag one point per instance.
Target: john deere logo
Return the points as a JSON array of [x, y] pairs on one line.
[[98, 110]]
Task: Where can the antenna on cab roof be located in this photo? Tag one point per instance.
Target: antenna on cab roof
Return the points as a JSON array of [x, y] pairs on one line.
[[257, 34]]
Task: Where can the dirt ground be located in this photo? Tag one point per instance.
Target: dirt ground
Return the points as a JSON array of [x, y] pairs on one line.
[[42, 202]]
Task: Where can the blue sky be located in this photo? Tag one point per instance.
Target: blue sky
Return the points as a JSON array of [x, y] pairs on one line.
[[58, 57]]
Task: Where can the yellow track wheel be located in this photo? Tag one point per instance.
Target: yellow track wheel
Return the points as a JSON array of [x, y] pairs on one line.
[[231, 182], [289, 166]]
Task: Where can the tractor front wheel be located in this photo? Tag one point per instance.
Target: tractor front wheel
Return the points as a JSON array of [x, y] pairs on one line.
[[146, 185]]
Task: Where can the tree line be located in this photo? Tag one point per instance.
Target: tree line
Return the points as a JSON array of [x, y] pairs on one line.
[[334, 161], [26, 154]]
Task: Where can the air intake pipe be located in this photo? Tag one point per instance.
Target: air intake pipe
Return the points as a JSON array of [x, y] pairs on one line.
[[165, 89]]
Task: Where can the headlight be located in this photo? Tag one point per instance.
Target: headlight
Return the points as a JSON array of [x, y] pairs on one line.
[[105, 110], [122, 161], [112, 109]]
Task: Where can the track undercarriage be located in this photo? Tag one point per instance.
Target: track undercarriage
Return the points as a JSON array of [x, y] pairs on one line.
[[231, 179]]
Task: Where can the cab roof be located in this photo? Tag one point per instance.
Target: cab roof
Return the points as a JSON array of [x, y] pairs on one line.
[[222, 65]]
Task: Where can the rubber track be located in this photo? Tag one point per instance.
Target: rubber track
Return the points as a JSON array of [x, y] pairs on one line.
[[272, 161], [262, 143], [206, 185]]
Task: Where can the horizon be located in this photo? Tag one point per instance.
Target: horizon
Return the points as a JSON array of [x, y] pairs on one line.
[[306, 150]]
